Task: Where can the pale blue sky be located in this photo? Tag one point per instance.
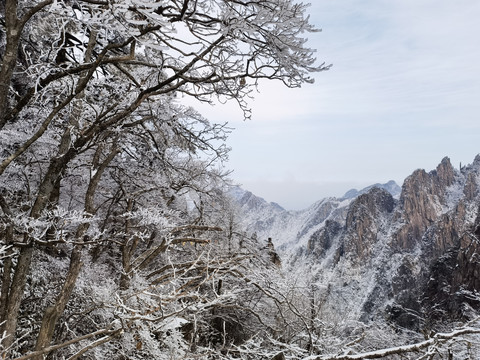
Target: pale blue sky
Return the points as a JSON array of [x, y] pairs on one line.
[[403, 92]]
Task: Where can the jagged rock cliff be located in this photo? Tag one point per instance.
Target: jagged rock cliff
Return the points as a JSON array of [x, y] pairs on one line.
[[422, 201], [413, 259], [421, 251]]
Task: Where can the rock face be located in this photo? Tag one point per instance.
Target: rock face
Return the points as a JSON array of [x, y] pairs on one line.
[[454, 281], [412, 258], [470, 191], [363, 223], [322, 239], [421, 202]]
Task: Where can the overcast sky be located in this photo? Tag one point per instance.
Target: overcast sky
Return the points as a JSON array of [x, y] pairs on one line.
[[403, 92]]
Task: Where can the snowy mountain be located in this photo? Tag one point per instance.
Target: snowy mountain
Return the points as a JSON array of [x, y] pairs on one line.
[[293, 229], [410, 256]]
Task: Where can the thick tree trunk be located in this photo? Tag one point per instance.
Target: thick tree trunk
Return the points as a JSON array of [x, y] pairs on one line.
[[9, 61], [7, 266], [7, 270]]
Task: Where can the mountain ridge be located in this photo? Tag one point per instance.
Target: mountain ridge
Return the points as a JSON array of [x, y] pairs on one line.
[[265, 219]]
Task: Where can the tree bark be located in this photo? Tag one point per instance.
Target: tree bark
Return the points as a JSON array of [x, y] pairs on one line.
[[127, 252], [9, 61], [7, 265]]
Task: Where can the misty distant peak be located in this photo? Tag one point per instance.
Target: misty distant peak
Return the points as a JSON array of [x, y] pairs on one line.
[[391, 186]]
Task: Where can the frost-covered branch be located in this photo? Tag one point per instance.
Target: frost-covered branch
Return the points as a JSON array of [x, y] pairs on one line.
[[110, 333], [435, 341]]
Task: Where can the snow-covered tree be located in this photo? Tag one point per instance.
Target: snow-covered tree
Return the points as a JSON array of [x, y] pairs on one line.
[[108, 181]]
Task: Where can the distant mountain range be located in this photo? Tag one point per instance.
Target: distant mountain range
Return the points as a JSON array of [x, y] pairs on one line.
[[409, 254], [292, 228]]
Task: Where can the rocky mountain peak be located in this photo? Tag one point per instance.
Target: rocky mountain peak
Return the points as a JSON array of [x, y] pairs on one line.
[[376, 200], [476, 162], [363, 222], [419, 204], [251, 201], [422, 201], [445, 173]]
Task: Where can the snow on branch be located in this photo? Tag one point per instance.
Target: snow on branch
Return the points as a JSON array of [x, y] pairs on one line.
[[108, 331], [435, 341]]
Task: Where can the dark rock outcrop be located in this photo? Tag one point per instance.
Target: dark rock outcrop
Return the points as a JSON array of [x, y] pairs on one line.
[[322, 239], [363, 222], [470, 190], [454, 282]]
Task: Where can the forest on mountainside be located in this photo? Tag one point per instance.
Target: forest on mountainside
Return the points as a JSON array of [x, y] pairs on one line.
[[117, 235]]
